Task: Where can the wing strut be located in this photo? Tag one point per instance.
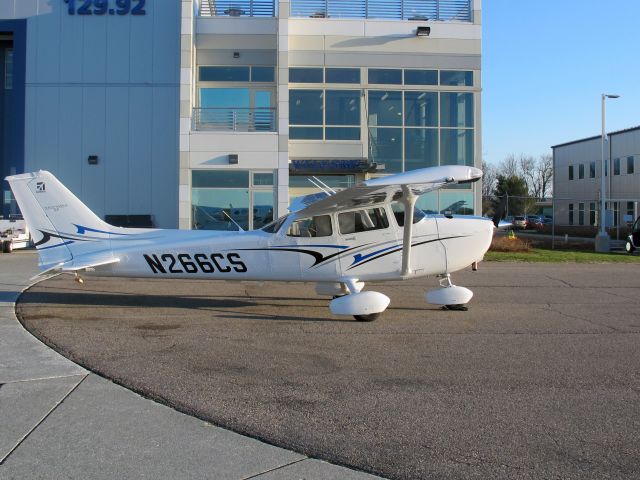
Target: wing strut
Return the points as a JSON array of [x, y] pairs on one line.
[[409, 200]]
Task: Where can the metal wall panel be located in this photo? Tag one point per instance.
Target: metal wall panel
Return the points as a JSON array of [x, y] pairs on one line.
[[108, 86]]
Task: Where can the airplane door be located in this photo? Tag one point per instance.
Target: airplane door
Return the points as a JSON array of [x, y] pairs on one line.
[[306, 249], [372, 237]]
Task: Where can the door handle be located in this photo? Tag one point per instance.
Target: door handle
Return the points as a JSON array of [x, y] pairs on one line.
[[349, 238]]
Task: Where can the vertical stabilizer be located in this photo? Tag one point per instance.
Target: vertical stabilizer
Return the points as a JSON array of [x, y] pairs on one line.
[[61, 225]]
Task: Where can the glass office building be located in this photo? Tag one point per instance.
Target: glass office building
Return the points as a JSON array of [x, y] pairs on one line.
[[340, 91], [213, 114]]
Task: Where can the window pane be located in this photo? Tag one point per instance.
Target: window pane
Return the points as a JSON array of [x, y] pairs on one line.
[[428, 202], [8, 69], [319, 226], [305, 133], [224, 98], [398, 212], [571, 214], [224, 74], [261, 179], [421, 77], [385, 146], [211, 208], [342, 107], [456, 147], [342, 75], [263, 74], [616, 166], [581, 171], [421, 148], [592, 170], [305, 107], [333, 181], [456, 78], [305, 75], [630, 165], [456, 202], [262, 209], [385, 76], [385, 108], [456, 110], [421, 109], [363, 220], [570, 172], [342, 133], [220, 179]]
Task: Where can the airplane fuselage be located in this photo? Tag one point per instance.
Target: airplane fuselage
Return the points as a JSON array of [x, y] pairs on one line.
[[440, 245]]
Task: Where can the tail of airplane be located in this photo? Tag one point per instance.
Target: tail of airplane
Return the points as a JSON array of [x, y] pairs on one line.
[[66, 233]]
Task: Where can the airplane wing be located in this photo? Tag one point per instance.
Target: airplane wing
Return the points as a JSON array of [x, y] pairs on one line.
[[405, 187], [391, 188]]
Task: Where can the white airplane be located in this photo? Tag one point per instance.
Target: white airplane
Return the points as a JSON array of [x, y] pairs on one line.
[[367, 233]]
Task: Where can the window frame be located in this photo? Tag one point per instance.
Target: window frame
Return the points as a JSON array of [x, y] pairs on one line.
[[324, 126], [356, 211]]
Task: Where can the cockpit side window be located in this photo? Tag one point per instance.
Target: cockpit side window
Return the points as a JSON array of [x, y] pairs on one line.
[[398, 212], [318, 226], [363, 220]]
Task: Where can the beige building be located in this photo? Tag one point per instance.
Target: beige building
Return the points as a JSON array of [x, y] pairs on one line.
[[274, 92], [577, 185]]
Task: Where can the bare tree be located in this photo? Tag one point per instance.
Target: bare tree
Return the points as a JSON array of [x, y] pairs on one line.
[[544, 174], [528, 171], [489, 178], [509, 167]]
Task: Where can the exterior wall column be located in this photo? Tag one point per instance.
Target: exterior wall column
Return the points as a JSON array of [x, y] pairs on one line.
[[187, 82], [283, 107]]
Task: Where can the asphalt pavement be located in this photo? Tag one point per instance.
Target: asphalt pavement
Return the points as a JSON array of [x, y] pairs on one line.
[[539, 379], [58, 420]]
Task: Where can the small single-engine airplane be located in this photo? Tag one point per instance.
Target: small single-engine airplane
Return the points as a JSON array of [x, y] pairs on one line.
[[367, 233]]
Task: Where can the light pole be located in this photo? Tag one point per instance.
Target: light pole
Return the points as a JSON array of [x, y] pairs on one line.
[[602, 239]]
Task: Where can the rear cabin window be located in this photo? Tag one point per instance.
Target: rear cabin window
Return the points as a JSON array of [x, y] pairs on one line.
[[363, 220], [319, 226]]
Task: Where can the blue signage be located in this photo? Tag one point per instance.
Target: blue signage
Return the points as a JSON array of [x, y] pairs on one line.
[[106, 7]]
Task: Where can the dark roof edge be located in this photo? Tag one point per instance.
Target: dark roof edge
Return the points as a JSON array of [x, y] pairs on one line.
[[576, 141], [617, 132]]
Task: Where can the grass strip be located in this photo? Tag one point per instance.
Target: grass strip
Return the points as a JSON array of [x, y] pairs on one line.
[[560, 256]]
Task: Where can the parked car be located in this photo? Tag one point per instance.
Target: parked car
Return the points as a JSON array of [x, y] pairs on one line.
[[532, 220], [520, 222], [542, 223], [633, 240]]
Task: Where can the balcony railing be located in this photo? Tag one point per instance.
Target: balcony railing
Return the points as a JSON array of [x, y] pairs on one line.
[[234, 119], [237, 8], [460, 10]]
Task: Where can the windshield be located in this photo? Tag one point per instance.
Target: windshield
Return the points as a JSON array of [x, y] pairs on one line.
[[274, 226], [398, 212]]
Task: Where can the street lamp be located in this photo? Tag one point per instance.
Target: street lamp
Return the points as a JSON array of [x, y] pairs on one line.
[[602, 239]]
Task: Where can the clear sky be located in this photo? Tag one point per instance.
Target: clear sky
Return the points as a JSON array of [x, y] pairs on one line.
[[545, 64]]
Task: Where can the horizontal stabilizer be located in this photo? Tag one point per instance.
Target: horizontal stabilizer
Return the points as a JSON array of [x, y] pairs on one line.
[[76, 265]]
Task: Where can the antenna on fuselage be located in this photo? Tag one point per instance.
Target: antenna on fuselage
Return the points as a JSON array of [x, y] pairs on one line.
[[234, 222]]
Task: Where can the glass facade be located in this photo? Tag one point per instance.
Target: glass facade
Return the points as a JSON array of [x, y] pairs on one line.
[[335, 112], [224, 199]]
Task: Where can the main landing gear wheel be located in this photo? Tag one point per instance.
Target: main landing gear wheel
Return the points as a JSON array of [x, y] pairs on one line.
[[460, 307], [629, 247], [367, 318]]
